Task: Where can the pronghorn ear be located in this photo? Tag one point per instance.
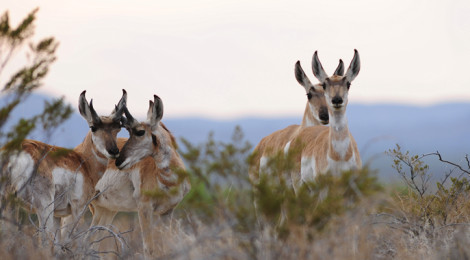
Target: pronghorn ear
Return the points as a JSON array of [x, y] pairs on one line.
[[317, 68], [86, 110], [119, 108], [156, 113], [301, 77], [340, 69], [354, 67], [150, 111]]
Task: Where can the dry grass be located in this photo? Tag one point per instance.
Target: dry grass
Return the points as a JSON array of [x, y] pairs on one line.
[[360, 233], [343, 217]]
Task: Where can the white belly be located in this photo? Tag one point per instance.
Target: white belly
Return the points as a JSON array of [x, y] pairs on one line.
[[68, 190]]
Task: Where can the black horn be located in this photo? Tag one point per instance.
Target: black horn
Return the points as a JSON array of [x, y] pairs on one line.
[[129, 121], [94, 115]]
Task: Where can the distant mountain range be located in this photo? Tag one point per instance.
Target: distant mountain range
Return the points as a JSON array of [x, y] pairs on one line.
[[376, 128]]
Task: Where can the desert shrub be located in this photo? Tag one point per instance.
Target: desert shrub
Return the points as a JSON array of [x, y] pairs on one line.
[[16, 224], [258, 217], [428, 218]]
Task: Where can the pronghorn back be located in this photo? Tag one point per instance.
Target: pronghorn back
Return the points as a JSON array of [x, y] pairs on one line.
[[269, 146]]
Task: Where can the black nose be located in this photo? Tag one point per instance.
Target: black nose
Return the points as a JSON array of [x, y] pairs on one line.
[[118, 161], [324, 114], [113, 151], [337, 100]]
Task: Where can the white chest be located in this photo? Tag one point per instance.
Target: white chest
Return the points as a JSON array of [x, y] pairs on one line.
[[118, 190], [337, 167]]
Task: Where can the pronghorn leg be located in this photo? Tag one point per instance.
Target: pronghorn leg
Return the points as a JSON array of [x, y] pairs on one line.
[[101, 217], [56, 228], [46, 226], [70, 224], [145, 211], [67, 223]]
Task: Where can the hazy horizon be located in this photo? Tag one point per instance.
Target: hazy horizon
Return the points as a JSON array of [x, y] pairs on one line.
[[236, 58]]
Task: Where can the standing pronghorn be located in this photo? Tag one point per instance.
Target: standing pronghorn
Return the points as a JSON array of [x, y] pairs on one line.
[[56, 182], [328, 149], [316, 113], [148, 162]]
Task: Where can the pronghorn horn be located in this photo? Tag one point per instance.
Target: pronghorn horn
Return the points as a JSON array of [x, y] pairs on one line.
[[94, 115], [129, 121], [340, 69], [122, 102], [119, 108]]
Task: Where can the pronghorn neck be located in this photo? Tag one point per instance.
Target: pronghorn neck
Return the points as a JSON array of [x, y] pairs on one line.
[[96, 160], [162, 152], [339, 137], [308, 119]]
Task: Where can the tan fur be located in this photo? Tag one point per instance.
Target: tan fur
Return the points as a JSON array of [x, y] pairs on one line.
[[135, 193], [322, 148], [277, 141], [63, 158], [318, 102], [56, 182], [317, 143], [270, 146]]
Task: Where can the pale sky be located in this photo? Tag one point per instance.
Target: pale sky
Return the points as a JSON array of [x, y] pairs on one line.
[[226, 59]]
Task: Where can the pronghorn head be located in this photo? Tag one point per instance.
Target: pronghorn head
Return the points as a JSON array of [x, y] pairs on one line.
[[336, 87], [315, 93], [104, 129], [146, 138]]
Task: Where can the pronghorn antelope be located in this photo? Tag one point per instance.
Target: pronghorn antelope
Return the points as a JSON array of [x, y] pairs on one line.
[[148, 162], [56, 182], [328, 149], [316, 113]]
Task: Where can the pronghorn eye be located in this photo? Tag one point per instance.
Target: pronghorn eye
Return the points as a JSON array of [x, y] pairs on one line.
[[309, 96], [324, 86], [348, 84], [93, 128], [140, 133]]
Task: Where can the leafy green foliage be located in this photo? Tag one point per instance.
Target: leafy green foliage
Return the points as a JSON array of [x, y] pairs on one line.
[[27, 79], [217, 170], [221, 189], [19, 87]]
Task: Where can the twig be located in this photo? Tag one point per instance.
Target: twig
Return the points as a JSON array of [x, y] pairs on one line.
[[451, 163]]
